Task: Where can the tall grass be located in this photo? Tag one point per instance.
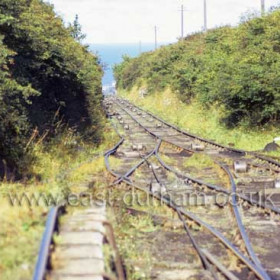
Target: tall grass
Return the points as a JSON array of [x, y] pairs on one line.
[[60, 167]]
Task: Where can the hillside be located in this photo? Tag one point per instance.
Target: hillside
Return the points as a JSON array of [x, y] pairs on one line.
[[48, 80], [234, 71]]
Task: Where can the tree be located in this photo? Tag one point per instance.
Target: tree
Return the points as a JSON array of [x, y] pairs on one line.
[[44, 72], [76, 30]]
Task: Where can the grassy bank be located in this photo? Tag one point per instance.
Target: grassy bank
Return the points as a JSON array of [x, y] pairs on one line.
[[196, 119], [63, 166], [231, 69], [68, 166]]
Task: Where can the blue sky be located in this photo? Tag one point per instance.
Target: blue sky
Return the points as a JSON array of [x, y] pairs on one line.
[[131, 21]]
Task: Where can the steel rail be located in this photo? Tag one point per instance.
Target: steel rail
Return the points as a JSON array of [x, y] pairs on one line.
[[217, 188], [213, 187], [255, 154], [240, 225], [238, 219], [133, 169], [212, 230], [47, 240], [187, 133], [113, 150], [151, 133], [267, 159], [206, 265], [258, 272], [229, 275]]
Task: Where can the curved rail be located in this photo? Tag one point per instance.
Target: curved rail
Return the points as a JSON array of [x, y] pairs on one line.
[[238, 219], [206, 265], [151, 133], [240, 225], [240, 151], [47, 240], [216, 188], [212, 230], [187, 133], [219, 189], [253, 267]]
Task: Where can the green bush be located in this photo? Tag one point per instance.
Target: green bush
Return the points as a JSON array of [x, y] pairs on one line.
[[46, 76], [235, 69]]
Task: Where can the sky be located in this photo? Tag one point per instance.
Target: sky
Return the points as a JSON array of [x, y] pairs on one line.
[[131, 21]]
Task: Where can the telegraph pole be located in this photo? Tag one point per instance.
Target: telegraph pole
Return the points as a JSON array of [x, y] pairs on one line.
[[263, 7], [182, 10], [156, 40], [182, 21], [205, 15]]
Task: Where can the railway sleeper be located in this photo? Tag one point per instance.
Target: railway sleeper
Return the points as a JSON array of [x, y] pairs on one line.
[[139, 147], [198, 147]]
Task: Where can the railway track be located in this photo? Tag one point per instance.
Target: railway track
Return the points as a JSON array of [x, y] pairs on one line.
[[238, 251], [72, 246]]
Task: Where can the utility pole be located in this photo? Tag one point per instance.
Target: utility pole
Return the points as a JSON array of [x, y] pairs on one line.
[[182, 10], [182, 21], [263, 7], [156, 40], [205, 16]]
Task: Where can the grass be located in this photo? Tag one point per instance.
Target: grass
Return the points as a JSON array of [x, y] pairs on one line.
[[205, 123], [168, 160], [130, 233], [199, 161], [60, 168], [129, 237]]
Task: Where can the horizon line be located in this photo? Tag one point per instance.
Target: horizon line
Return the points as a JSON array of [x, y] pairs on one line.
[[129, 43]]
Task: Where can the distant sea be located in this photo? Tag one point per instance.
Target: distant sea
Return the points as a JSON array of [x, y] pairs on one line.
[[112, 54]]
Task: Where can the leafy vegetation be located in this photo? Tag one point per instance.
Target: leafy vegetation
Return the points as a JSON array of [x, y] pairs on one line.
[[234, 70], [206, 123], [63, 169], [47, 79]]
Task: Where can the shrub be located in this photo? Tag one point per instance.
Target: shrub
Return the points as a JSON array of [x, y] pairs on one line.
[[46, 76], [235, 69]]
